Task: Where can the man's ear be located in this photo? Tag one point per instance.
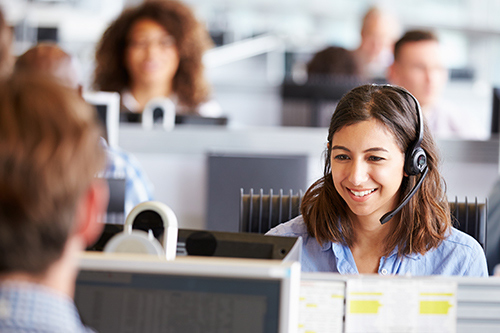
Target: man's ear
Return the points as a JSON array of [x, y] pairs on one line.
[[91, 207]]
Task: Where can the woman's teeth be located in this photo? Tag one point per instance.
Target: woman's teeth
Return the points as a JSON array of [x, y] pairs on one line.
[[362, 193]]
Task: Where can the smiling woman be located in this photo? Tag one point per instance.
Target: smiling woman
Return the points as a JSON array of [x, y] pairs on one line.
[[380, 155], [155, 50]]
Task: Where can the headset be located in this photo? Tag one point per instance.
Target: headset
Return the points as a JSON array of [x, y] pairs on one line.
[[415, 157]]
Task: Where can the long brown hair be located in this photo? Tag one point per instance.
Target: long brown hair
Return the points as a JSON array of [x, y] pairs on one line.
[[424, 221], [191, 40]]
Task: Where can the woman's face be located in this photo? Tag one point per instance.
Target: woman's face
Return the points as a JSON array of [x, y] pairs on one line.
[[151, 55], [367, 168]]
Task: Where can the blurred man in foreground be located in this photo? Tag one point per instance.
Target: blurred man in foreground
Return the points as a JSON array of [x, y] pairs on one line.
[[50, 201], [50, 60]]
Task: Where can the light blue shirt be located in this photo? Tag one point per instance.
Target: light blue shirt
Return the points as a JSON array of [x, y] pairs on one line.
[[27, 307], [459, 254]]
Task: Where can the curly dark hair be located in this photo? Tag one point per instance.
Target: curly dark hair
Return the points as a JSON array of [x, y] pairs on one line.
[[191, 40], [6, 59]]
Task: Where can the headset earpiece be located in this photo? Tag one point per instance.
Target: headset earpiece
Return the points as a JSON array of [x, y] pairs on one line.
[[415, 157], [415, 161]]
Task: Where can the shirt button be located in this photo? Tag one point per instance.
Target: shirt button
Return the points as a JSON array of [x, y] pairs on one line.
[[383, 271]]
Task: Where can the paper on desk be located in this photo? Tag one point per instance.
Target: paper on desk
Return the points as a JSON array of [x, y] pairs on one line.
[[321, 306], [400, 305]]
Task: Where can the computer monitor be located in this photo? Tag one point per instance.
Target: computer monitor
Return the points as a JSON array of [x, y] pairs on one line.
[[222, 244], [193, 119], [495, 111], [316, 91], [238, 245], [107, 105], [180, 119], [115, 213], [117, 293], [229, 172]]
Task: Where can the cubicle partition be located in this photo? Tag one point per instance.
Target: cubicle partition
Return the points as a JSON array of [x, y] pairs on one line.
[[176, 161]]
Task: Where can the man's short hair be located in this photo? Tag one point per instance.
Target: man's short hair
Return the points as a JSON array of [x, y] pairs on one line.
[[413, 36], [50, 152]]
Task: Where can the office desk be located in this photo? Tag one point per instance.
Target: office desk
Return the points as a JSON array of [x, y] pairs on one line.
[[176, 161]]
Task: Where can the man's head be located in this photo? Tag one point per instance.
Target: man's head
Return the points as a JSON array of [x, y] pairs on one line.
[[418, 66], [49, 154], [49, 59], [378, 34]]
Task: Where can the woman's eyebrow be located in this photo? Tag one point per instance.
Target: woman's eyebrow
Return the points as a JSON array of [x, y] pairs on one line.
[[376, 149], [365, 151], [340, 147]]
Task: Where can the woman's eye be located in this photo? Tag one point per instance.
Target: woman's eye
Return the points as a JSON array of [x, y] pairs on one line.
[[167, 41], [138, 43], [341, 157], [375, 158]]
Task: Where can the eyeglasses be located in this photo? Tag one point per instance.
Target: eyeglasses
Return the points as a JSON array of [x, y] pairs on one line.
[[144, 43]]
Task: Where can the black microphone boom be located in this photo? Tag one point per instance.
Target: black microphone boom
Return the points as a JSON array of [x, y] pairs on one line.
[[391, 214]]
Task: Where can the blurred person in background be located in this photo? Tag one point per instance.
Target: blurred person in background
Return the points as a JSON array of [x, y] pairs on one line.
[[6, 58], [333, 61], [155, 50], [50, 201], [379, 32], [49, 59], [419, 67]]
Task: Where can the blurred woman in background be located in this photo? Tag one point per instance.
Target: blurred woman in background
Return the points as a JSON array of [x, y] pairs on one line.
[[155, 50]]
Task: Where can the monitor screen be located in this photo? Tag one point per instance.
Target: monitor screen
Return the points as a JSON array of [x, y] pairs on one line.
[[495, 111], [107, 105], [115, 213], [142, 295]]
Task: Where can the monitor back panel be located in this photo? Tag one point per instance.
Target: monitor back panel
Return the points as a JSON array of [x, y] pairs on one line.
[[186, 296]]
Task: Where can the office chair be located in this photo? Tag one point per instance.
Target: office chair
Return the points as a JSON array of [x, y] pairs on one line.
[[471, 218], [259, 214]]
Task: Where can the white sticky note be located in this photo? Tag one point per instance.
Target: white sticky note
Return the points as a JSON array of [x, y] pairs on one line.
[[321, 306]]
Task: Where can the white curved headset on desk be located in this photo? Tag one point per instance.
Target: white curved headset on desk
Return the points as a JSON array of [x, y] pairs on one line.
[[164, 104], [139, 241]]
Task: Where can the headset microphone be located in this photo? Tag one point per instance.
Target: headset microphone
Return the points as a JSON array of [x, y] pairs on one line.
[[415, 157], [390, 215]]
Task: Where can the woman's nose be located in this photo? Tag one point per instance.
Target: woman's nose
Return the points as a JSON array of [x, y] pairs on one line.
[[358, 173]]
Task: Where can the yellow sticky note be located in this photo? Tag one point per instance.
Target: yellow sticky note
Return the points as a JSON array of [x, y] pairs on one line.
[[364, 307], [435, 307]]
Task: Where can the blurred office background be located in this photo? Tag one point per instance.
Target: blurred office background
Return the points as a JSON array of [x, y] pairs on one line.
[[468, 29], [258, 44]]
